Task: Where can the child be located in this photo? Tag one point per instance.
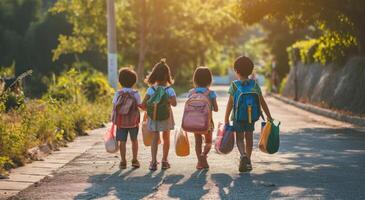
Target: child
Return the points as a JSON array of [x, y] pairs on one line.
[[202, 80], [126, 115], [160, 117], [243, 67]]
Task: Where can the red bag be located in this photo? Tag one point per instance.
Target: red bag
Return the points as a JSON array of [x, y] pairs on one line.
[[224, 142], [111, 144], [125, 112]]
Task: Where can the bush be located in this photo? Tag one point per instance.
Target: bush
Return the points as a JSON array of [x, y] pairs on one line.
[[57, 118], [283, 84]]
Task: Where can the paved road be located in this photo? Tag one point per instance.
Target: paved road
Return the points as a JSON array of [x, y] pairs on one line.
[[319, 158]]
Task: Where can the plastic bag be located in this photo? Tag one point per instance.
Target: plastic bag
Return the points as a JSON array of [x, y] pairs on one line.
[[273, 142], [111, 144], [225, 140], [265, 132], [146, 134], [182, 146], [269, 139]]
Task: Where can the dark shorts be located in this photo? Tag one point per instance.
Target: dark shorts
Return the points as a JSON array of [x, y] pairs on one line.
[[122, 133], [240, 127]]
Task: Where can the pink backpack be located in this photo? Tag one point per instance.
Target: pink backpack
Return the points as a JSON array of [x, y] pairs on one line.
[[197, 112], [125, 111]]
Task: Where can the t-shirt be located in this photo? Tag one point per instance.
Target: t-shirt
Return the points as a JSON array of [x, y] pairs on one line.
[[212, 94], [130, 90], [232, 88], [170, 91]]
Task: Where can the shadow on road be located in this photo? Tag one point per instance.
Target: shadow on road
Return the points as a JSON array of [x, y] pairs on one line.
[[312, 163]]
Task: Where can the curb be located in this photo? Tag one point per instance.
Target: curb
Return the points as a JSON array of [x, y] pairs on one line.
[[32, 174], [359, 121]]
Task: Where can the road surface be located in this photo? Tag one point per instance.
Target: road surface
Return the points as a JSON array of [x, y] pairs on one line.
[[319, 158]]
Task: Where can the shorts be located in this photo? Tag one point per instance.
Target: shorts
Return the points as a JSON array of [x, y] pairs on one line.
[[240, 127], [122, 134]]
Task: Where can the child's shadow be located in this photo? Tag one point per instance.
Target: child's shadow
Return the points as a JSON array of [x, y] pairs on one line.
[[192, 188], [122, 185]]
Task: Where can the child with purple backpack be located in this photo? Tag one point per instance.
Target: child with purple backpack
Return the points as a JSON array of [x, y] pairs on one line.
[[198, 114], [126, 115]]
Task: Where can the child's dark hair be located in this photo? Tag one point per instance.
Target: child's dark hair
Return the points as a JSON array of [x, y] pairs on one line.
[[127, 77], [243, 66], [202, 77], [160, 73]]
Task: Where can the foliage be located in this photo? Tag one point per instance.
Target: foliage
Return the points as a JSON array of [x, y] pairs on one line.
[[73, 82], [283, 84], [53, 120], [331, 46], [323, 31], [184, 32]]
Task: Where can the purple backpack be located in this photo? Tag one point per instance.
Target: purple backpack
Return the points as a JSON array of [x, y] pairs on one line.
[[197, 112]]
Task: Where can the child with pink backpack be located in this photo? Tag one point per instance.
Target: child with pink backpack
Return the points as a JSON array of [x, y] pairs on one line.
[[126, 116], [197, 116]]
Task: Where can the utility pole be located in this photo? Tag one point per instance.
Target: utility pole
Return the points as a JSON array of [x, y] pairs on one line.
[[112, 45]]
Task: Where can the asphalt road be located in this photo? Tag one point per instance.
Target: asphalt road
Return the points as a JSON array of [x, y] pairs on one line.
[[319, 158]]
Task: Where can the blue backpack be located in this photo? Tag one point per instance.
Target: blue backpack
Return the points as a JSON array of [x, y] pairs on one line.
[[247, 107]]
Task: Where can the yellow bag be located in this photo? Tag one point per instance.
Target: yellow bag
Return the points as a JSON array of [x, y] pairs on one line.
[[182, 146], [147, 135], [265, 132]]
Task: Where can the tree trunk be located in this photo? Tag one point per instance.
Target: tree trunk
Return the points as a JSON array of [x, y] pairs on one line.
[[142, 41]]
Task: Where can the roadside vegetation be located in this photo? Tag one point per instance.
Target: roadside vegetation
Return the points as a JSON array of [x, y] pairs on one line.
[[75, 102]]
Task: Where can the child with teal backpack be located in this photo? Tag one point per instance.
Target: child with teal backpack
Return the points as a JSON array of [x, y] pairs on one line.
[[159, 98], [245, 101]]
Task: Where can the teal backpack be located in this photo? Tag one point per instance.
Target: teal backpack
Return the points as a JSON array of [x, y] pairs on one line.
[[158, 107]]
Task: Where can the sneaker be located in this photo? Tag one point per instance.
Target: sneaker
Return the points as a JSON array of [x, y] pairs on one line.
[[153, 166], [135, 163], [123, 165], [249, 166], [243, 164], [165, 165]]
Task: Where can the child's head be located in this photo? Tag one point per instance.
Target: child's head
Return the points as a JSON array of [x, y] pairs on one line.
[[160, 74], [243, 66], [202, 77], [127, 77]]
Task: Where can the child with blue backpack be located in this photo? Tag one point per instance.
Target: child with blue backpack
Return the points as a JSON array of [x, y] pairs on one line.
[[245, 101], [159, 98]]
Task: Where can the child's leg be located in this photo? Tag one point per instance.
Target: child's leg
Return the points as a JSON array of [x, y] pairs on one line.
[[121, 136], [133, 134], [122, 148], [154, 146], [198, 145], [249, 143], [240, 143], [166, 145], [208, 143]]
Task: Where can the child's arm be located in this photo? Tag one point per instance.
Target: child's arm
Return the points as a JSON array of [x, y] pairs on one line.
[[265, 108], [228, 109], [172, 101], [143, 105], [215, 105]]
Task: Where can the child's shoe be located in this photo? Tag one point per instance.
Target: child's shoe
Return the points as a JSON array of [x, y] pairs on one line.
[[123, 165], [243, 164], [249, 166], [153, 166], [135, 163], [204, 161], [165, 165]]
